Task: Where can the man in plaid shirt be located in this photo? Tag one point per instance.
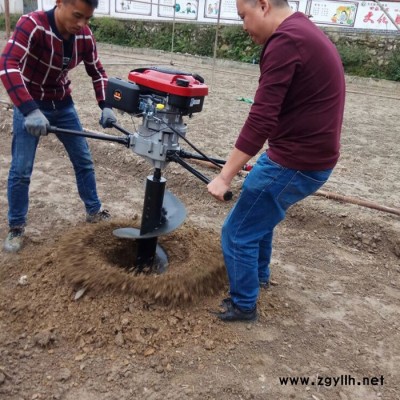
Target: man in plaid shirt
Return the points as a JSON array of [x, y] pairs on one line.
[[34, 68]]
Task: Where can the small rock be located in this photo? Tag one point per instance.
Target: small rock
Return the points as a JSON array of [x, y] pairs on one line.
[[23, 280], [159, 369], [2, 378], [119, 339], [64, 374], [168, 368], [173, 320], [79, 293], [80, 357], [139, 338], [149, 351], [44, 338], [179, 315], [131, 308], [209, 344], [164, 362]]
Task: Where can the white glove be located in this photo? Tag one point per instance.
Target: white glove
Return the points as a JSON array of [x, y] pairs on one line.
[[107, 118], [36, 123]]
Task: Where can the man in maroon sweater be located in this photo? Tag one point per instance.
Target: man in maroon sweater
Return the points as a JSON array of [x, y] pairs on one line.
[[298, 109], [34, 68]]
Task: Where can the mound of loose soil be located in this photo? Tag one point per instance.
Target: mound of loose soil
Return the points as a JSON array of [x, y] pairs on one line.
[[92, 257]]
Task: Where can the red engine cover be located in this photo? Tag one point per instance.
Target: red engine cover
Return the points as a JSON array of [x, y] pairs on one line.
[[171, 82]]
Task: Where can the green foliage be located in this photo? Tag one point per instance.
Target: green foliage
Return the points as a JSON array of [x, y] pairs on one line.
[[194, 39], [13, 20], [110, 30], [236, 44], [354, 59], [359, 61], [233, 43], [393, 68]]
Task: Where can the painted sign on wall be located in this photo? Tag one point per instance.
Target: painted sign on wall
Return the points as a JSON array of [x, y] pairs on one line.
[[342, 14]]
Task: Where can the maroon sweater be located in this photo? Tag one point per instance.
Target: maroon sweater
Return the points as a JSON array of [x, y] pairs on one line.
[[299, 103], [31, 65]]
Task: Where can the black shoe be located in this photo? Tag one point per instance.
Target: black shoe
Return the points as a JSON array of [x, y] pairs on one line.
[[233, 313], [225, 303]]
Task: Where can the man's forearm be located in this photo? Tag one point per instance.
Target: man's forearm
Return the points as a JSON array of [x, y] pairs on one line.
[[234, 164], [222, 182]]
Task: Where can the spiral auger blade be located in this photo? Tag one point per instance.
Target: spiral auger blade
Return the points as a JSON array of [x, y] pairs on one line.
[[162, 214]]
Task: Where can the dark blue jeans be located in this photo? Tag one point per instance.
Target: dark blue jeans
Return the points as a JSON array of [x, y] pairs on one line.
[[268, 191], [23, 152]]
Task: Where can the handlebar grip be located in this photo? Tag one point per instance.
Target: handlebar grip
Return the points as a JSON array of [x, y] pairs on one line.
[[228, 196], [51, 129]]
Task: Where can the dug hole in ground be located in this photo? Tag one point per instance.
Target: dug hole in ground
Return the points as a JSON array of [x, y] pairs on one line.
[[333, 310]]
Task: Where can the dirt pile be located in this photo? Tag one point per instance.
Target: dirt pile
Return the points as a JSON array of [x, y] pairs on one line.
[[92, 257]]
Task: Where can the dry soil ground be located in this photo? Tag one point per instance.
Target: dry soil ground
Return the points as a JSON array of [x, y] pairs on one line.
[[333, 309]]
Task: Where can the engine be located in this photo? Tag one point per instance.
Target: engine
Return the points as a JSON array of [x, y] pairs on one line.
[[161, 97]]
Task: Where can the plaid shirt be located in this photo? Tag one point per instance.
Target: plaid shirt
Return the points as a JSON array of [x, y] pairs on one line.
[[31, 65]]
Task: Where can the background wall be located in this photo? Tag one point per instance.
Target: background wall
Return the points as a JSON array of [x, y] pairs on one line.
[[373, 52], [342, 14], [16, 6], [20, 6]]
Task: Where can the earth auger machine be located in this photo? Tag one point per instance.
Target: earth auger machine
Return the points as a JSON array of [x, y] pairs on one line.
[[161, 98]]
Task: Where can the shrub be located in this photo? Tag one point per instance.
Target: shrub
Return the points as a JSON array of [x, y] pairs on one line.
[[393, 68], [237, 45], [110, 30], [233, 43], [354, 59], [13, 20]]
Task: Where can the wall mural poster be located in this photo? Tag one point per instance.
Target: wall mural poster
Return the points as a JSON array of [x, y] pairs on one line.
[[294, 5], [46, 4], [140, 7], [103, 7], [228, 9], [184, 9], [333, 12], [374, 18], [343, 14]]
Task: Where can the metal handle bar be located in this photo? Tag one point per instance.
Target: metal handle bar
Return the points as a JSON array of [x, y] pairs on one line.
[[94, 135], [126, 141], [174, 157]]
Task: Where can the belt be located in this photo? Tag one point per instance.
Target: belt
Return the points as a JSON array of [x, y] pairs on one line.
[[54, 104]]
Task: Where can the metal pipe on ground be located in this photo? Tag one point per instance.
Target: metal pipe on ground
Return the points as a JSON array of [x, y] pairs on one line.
[[336, 196], [359, 202]]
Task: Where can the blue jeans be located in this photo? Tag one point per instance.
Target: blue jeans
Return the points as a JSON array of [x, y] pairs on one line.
[[268, 191], [23, 152]]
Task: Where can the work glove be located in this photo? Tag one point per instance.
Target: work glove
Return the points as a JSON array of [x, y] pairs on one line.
[[107, 118], [36, 123]]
